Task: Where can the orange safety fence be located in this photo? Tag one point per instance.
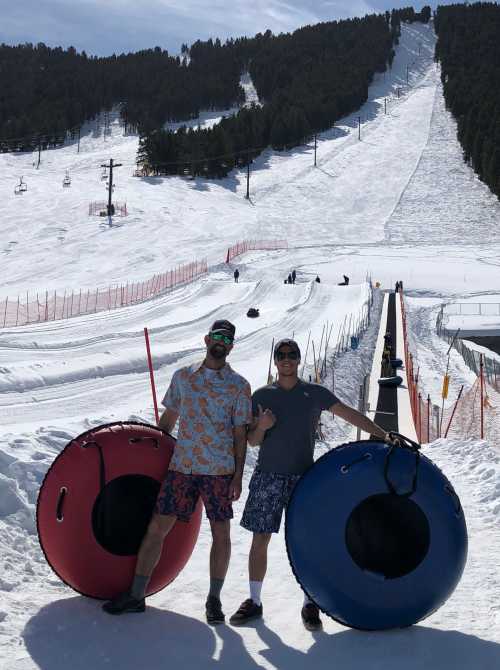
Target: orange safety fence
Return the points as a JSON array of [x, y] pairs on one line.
[[51, 306], [254, 245], [473, 414]]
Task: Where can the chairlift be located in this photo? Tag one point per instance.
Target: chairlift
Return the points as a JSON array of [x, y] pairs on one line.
[[66, 180], [104, 174], [21, 187]]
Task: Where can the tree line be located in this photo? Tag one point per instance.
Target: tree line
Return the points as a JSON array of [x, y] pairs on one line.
[[468, 49], [47, 92], [306, 81]]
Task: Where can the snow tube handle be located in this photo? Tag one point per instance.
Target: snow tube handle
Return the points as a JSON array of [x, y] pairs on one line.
[[60, 504], [136, 440], [400, 441]]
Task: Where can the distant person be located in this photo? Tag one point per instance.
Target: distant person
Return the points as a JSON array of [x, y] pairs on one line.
[[388, 341], [317, 279], [396, 289], [387, 369], [236, 275], [294, 276], [213, 405], [285, 417], [290, 279], [346, 280]]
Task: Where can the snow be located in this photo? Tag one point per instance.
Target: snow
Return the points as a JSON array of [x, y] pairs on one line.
[[399, 204]]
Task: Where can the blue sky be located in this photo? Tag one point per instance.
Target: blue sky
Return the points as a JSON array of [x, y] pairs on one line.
[[103, 27]]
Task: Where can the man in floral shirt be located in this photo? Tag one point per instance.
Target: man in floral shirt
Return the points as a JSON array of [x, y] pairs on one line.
[[213, 404]]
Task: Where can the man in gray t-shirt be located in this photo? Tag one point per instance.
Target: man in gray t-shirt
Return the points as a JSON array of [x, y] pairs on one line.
[[286, 414]]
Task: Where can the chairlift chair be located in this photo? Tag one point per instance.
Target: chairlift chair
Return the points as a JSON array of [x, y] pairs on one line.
[[104, 174], [66, 180], [21, 187]]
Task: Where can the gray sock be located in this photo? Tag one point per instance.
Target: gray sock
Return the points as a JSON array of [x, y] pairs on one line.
[[215, 587], [139, 586]]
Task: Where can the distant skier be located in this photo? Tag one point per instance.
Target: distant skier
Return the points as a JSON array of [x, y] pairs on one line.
[[236, 275], [317, 279], [294, 276], [290, 279], [346, 280]]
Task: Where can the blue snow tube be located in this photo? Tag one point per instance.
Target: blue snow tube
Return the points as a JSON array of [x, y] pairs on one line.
[[390, 381], [376, 535]]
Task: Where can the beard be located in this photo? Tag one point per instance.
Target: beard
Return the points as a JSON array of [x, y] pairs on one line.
[[217, 351]]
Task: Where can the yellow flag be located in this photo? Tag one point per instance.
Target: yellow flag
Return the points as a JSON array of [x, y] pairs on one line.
[[446, 383]]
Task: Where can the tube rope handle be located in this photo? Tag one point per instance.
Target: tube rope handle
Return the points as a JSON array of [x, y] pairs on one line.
[[401, 442]]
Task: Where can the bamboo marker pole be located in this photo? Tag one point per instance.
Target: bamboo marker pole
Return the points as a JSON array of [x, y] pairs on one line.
[[305, 357], [269, 377], [151, 375]]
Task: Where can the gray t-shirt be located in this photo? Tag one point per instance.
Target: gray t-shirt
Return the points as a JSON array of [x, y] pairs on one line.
[[288, 446]]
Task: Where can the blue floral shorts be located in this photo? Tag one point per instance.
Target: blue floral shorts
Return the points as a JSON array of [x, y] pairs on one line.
[[268, 496]]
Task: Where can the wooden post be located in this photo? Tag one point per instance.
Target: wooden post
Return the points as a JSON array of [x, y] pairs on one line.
[[419, 398], [453, 413], [481, 379], [428, 417]]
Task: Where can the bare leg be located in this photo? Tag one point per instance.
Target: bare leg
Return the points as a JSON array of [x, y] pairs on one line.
[[257, 560], [152, 543], [220, 552]]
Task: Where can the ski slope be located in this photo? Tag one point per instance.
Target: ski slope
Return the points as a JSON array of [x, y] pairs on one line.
[[399, 204]]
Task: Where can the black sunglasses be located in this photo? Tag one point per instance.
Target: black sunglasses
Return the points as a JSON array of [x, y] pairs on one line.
[[219, 337], [282, 355]]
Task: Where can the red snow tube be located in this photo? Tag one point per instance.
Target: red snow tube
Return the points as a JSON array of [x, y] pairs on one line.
[[95, 504]]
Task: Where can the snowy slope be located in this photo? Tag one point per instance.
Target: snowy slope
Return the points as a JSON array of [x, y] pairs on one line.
[[398, 205]]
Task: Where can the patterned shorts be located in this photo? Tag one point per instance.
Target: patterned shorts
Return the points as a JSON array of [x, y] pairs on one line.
[[179, 494], [268, 496]]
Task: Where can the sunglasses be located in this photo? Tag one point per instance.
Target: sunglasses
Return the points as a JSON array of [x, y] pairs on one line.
[[219, 337], [282, 355]]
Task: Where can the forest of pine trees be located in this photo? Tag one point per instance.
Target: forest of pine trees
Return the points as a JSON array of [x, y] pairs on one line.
[[47, 92], [468, 49], [306, 81]]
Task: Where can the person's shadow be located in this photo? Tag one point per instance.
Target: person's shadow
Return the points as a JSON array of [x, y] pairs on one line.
[[413, 648], [76, 634]]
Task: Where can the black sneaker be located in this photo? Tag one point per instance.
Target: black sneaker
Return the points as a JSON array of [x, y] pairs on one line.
[[213, 607], [310, 617], [124, 603], [248, 611]]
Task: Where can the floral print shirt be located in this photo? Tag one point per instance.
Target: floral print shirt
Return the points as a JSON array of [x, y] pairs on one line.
[[209, 403]]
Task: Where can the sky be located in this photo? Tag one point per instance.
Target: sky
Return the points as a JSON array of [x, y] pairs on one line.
[[117, 26]]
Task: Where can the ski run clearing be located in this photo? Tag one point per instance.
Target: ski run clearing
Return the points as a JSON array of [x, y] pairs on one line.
[[399, 204]]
